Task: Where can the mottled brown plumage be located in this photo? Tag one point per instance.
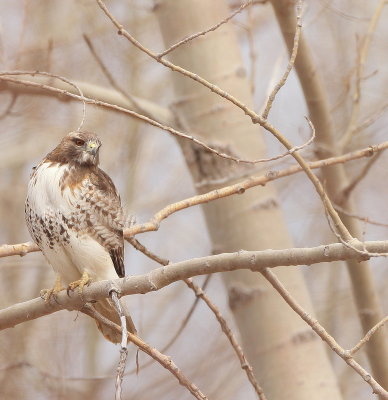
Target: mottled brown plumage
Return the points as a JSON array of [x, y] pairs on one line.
[[74, 214]]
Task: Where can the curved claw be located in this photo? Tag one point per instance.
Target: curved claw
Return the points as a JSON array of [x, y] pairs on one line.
[[46, 294], [80, 284]]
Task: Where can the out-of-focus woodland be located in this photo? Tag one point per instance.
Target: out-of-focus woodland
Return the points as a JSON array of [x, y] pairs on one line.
[[338, 80]]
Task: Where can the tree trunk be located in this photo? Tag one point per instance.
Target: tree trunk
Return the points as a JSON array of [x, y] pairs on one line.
[[288, 359], [364, 289]]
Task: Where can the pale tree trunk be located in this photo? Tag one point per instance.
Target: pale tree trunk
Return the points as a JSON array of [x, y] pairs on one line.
[[364, 288], [288, 359]]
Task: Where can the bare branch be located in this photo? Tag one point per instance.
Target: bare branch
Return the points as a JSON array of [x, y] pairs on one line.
[[41, 86], [200, 294], [149, 120], [202, 33], [363, 54], [61, 78], [349, 245], [138, 246], [163, 276], [371, 119], [291, 62], [111, 80], [183, 325], [363, 219], [239, 188], [324, 335], [356, 180], [21, 249], [162, 359], [256, 119], [368, 335], [245, 365], [124, 342]]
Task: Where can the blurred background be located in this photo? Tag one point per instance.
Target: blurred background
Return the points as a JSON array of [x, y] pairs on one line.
[[63, 355]]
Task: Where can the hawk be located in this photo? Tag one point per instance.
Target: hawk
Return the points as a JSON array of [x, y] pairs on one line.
[[73, 213]]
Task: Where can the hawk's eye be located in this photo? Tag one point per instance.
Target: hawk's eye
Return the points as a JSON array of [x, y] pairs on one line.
[[79, 142]]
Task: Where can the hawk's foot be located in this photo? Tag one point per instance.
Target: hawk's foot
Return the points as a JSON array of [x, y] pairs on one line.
[[80, 284], [46, 294]]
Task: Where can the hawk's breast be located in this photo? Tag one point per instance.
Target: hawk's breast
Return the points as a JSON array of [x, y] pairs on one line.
[[76, 221], [49, 205]]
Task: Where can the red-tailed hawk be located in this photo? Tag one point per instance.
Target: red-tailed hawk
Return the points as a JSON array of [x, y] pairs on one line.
[[74, 215]]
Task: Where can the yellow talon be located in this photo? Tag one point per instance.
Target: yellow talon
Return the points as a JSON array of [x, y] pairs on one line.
[[46, 294], [80, 284]]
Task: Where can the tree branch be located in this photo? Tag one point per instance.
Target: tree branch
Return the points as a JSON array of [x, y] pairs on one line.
[[22, 249], [255, 118], [104, 94], [164, 276], [346, 355], [139, 116], [202, 33], [162, 359]]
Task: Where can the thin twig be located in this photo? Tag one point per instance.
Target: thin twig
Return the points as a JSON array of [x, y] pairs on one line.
[[138, 246], [181, 328], [357, 179], [371, 119], [245, 365], [124, 342], [202, 33], [368, 335], [363, 219], [253, 2], [291, 61], [363, 54], [9, 107], [363, 252], [252, 51], [323, 334], [110, 77], [41, 73]]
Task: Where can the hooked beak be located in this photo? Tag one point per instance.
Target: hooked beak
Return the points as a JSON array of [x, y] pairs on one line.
[[92, 147]]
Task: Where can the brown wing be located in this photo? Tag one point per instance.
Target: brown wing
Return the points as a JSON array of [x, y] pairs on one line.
[[105, 217]]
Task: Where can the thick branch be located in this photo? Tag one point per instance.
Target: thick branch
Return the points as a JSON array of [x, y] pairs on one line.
[[161, 277]]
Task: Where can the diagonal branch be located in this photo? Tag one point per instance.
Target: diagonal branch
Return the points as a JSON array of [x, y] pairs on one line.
[[200, 294], [21, 249], [290, 64], [256, 119], [368, 335], [162, 359], [324, 335], [40, 85], [143, 118], [202, 33]]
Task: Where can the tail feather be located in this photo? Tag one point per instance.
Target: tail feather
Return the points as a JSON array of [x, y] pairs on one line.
[[108, 310]]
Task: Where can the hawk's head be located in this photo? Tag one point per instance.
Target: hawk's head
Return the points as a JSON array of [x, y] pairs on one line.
[[80, 148]]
